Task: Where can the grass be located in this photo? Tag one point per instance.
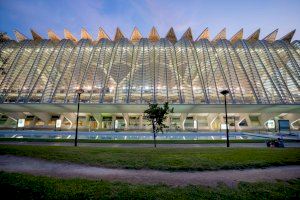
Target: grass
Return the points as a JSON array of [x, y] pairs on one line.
[[21, 186], [173, 159], [136, 141]]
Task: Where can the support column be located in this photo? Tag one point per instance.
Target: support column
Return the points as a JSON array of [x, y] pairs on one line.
[[168, 121], [182, 120], [126, 120], [113, 121], [210, 120], [98, 117], [141, 120], [45, 117], [246, 117], [71, 117], [33, 122]]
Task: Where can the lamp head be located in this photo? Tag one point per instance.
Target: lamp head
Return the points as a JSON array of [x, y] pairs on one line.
[[79, 91], [224, 92]]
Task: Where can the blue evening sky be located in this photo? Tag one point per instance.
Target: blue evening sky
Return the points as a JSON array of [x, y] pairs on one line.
[[73, 15]]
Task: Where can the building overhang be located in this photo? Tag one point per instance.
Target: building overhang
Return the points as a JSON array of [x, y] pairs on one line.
[[138, 108]]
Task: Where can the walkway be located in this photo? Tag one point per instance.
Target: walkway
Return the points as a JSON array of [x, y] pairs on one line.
[[248, 145], [207, 178]]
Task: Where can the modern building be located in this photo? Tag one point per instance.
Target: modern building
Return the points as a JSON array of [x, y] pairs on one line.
[[120, 76]]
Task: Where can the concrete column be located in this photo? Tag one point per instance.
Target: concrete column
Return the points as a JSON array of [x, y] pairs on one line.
[[98, 117], [114, 117], [182, 120], [141, 120], [33, 122], [210, 120], [243, 116], [45, 117], [126, 120], [71, 117], [221, 118], [168, 121]]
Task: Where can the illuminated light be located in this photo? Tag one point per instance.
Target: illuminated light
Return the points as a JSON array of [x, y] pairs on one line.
[[116, 124], [195, 124], [147, 87], [88, 87]]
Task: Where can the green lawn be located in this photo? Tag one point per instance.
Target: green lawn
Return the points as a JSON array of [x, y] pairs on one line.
[[20, 186], [162, 158]]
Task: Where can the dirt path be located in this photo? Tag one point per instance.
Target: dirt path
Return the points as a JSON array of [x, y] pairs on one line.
[[208, 178]]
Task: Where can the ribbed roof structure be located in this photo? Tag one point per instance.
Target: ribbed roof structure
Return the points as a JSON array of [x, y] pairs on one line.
[[155, 69]]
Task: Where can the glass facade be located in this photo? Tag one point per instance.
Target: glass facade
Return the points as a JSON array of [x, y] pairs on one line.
[[122, 71]]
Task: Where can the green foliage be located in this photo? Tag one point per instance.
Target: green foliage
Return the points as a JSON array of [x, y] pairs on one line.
[[173, 159], [21, 186], [156, 115]]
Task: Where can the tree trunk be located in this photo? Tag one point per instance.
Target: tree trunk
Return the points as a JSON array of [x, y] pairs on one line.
[[154, 133]]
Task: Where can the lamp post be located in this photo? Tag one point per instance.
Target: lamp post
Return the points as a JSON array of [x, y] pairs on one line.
[[79, 92], [225, 92]]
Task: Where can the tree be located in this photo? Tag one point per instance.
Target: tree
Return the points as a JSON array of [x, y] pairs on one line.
[[156, 115]]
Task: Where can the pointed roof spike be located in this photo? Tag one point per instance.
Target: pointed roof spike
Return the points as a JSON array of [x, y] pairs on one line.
[[35, 35], [221, 35], [237, 36], [85, 34], [136, 35], [272, 36], [288, 37], [119, 35], [6, 37], [188, 34], [19, 36], [102, 34], [153, 35], [53, 36], [69, 36], [204, 35], [254, 36], [171, 36]]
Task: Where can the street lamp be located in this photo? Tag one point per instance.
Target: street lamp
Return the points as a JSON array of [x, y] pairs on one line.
[[79, 92], [225, 92]]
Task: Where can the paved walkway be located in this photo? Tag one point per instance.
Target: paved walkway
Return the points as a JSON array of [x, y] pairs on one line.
[[208, 178], [252, 145]]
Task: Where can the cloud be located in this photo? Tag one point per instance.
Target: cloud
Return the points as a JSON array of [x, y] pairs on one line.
[[91, 14]]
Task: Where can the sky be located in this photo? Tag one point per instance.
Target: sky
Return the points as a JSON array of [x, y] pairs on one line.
[[41, 15]]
